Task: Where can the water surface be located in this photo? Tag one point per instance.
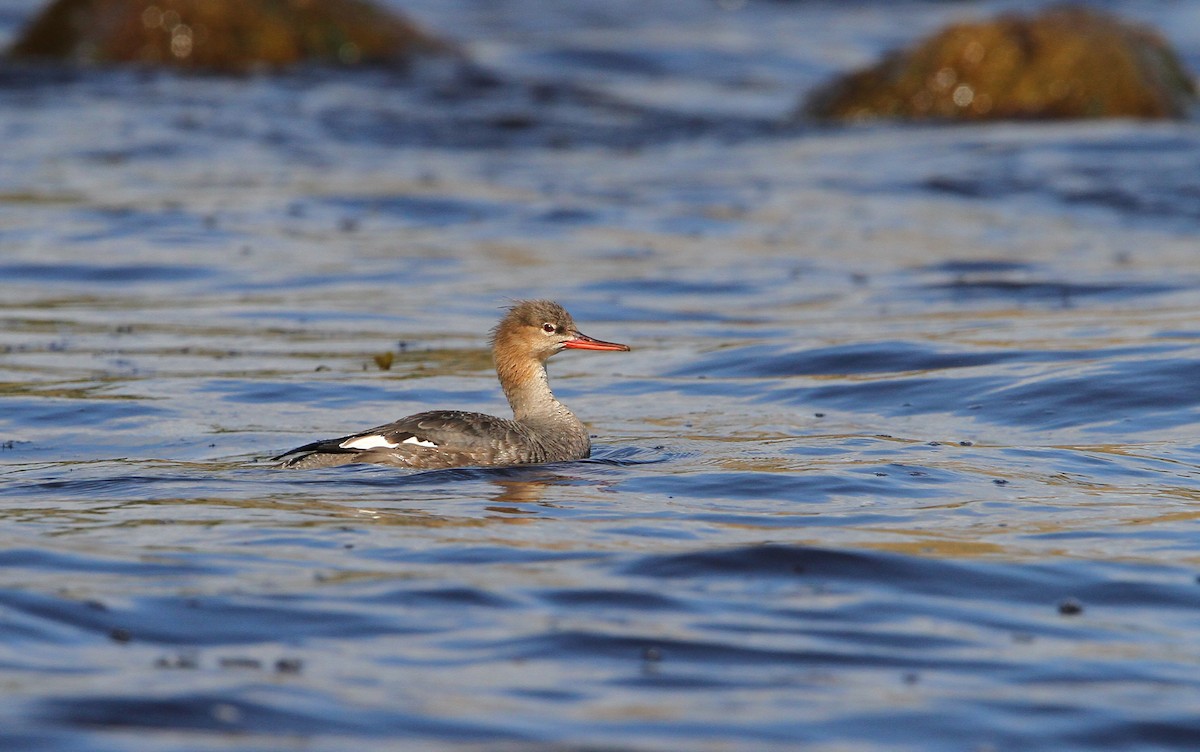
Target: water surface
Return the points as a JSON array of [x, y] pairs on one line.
[[903, 457]]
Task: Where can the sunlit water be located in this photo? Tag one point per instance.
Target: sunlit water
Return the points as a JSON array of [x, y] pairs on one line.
[[904, 456]]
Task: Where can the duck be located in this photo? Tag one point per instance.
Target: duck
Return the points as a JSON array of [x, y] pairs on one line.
[[541, 430]]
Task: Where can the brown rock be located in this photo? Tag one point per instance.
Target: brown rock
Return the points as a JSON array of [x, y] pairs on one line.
[[222, 35], [1063, 63]]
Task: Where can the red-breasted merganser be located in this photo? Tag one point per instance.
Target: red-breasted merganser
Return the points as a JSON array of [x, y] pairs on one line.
[[542, 428]]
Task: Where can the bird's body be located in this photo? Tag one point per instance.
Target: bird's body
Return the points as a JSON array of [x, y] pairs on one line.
[[542, 429]]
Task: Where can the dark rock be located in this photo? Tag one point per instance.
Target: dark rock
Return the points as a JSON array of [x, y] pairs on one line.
[[1063, 63], [223, 35]]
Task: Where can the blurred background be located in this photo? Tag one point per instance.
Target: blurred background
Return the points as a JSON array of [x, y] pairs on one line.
[[904, 455]]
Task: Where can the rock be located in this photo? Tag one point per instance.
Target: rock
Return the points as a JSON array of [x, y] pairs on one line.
[[222, 35], [1063, 63]]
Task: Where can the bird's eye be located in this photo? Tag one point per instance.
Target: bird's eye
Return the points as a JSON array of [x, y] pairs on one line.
[[549, 328]]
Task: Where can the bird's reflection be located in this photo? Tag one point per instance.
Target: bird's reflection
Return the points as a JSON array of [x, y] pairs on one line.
[[518, 492], [527, 492], [450, 497]]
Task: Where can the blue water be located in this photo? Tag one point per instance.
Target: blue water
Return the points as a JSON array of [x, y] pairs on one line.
[[904, 456]]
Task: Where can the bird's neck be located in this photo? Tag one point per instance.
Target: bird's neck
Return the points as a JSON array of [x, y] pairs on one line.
[[527, 388], [547, 423]]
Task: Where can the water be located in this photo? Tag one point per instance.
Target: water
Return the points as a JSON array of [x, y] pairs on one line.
[[904, 456]]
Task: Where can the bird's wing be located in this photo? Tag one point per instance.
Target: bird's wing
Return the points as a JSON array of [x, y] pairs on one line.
[[450, 432]]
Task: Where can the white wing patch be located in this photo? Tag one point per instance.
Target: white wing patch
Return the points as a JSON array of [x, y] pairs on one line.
[[374, 441]]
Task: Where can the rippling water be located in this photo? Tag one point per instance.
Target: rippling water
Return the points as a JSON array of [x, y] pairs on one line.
[[904, 456]]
